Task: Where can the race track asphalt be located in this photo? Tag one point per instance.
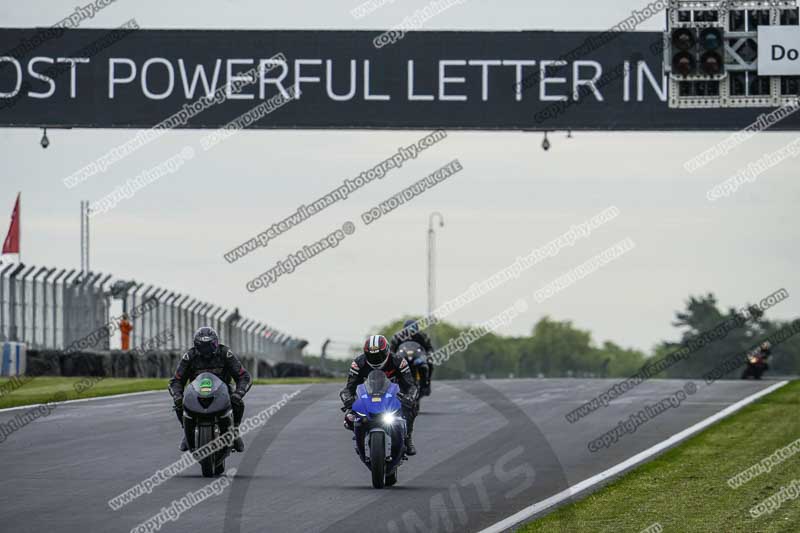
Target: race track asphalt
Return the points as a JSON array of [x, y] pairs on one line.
[[486, 450]]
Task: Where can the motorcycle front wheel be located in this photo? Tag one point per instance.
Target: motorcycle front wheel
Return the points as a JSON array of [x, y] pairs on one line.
[[377, 458], [205, 434]]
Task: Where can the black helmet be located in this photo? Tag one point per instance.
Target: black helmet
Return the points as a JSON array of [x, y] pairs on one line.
[[206, 340], [376, 349], [411, 327]]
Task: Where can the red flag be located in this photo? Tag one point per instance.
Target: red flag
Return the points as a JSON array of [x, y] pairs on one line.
[[11, 244]]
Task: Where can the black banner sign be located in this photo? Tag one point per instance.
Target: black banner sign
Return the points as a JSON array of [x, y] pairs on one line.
[[539, 80]]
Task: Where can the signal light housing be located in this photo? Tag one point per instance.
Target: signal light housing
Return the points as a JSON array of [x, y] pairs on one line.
[[698, 52], [684, 55], [712, 62], [710, 53]]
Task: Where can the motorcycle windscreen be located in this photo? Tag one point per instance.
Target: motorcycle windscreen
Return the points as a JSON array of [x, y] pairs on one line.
[[377, 383]]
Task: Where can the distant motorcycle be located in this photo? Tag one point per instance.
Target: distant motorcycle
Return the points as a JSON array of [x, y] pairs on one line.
[[207, 414], [756, 366], [379, 428], [415, 355]]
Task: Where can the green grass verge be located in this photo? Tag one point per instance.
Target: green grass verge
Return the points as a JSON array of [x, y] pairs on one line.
[[45, 388], [686, 489]]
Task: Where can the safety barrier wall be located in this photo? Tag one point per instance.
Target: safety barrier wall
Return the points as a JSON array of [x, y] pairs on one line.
[[138, 364], [59, 309]]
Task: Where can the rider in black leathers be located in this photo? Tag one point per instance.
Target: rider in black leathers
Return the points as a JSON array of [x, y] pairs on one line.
[[378, 355], [208, 355], [411, 332]]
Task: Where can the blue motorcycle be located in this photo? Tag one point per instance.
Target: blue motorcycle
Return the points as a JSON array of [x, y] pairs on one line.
[[379, 428]]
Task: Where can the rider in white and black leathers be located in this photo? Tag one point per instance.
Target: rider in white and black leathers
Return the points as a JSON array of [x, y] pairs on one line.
[[378, 356], [208, 355]]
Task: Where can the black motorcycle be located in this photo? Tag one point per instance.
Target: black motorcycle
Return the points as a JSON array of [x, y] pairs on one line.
[[207, 415], [415, 356]]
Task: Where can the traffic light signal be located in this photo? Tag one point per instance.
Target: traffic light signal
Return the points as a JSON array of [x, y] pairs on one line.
[[684, 43], [712, 61], [698, 52], [711, 48]]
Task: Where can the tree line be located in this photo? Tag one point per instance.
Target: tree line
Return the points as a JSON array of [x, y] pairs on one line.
[[557, 348]]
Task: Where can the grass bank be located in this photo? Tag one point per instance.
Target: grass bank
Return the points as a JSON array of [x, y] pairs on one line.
[[687, 488]]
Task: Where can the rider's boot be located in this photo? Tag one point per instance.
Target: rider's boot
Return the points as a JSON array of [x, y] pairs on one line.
[[238, 443], [410, 448]]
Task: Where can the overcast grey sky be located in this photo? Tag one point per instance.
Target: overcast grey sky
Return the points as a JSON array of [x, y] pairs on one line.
[[511, 198]]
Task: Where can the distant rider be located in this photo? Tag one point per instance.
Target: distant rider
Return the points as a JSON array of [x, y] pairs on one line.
[[378, 356], [765, 350], [412, 333], [208, 355]]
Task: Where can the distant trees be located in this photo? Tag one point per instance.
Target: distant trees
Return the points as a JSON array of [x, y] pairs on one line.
[[559, 349], [702, 315], [554, 349]]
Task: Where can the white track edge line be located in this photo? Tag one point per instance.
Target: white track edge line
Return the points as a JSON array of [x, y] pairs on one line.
[[640, 457], [32, 405], [101, 398]]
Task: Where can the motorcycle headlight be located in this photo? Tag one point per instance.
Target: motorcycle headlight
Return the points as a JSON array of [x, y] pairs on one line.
[[388, 418]]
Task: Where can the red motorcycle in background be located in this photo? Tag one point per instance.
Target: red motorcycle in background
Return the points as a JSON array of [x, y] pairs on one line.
[[757, 362]]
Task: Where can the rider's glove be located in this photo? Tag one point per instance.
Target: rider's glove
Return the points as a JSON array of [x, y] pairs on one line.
[[405, 400], [236, 398], [349, 420]]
